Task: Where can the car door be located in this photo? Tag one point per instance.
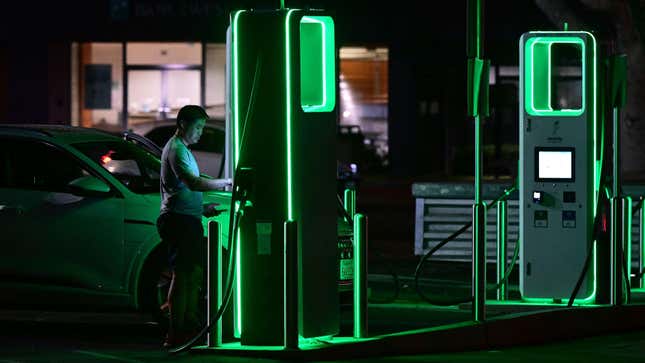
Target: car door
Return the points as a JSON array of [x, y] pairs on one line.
[[51, 235]]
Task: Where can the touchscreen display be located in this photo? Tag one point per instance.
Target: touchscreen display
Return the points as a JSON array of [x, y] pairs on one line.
[[555, 164]]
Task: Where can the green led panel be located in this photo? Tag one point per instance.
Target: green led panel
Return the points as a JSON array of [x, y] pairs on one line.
[[317, 68], [539, 63], [627, 235], [287, 63], [237, 307]]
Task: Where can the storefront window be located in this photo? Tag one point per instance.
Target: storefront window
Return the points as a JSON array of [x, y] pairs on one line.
[[160, 78], [363, 112], [97, 89]]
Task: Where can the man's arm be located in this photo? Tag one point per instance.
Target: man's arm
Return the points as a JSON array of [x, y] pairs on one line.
[[201, 184], [180, 165]]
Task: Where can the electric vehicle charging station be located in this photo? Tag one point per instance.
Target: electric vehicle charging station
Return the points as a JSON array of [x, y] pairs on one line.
[[283, 97], [558, 168]]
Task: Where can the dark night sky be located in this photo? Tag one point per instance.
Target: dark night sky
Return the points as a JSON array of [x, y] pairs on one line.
[[429, 27]]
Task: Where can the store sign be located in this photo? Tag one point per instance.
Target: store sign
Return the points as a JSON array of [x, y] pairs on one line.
[[175, 8]]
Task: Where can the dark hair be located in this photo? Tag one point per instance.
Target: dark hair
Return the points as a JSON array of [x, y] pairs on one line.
[[191, 113]]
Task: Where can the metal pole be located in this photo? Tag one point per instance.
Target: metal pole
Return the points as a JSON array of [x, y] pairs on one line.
[[502, 292], [124, 75], [202, 76], [626, 256], [360, 276], [616, 251], [479, 263], [214, 283], [290, 285], [350, 202], [616, 152], [474, 51]]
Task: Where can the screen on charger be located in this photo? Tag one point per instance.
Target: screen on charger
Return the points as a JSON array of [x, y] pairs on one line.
[[555, 165]]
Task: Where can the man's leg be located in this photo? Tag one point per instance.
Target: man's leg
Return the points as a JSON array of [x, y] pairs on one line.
[[193, 316], [178, 300]]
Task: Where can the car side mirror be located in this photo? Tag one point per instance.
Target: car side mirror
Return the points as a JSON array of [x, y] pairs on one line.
[[88, 185]]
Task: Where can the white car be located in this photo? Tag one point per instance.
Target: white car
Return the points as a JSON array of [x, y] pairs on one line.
[[78, 210]]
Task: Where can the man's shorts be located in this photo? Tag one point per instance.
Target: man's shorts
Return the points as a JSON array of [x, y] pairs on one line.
[[184, 236]]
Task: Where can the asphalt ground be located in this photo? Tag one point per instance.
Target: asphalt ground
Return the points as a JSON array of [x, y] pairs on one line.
[[46, 336]]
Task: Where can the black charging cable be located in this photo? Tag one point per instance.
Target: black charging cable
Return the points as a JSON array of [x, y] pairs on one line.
[[596, 236], [233, 230], [625, 270], [454, 235], [234, 214]]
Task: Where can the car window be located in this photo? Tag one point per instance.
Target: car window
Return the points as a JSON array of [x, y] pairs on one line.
[[135, 167], [160, 135], [31, 164], [212, 140]]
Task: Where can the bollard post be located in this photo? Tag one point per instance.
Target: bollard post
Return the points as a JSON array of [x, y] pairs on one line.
[[616, 282], [626, 256], [479, 262], [502, 220], [360, 276], [290, 285], [350, 202], [214, 283]]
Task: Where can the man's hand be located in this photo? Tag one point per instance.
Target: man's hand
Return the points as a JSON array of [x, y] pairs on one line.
[[220, 184], [210, 210]]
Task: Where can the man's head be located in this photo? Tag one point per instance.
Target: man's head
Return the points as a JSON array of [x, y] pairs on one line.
[[190, 123]]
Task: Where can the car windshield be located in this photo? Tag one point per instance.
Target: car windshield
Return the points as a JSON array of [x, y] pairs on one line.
[[135, 167]]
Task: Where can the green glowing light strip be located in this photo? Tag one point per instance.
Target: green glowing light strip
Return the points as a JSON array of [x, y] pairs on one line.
[[595, 115], [238, 289], [358, 278], [591, 298], [530, 91], [328, 64], [236, 93], [641, 243], [237, 325], [309, 19], [287, 47], [628, 237]]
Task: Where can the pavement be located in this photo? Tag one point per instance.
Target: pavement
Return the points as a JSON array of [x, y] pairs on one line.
[[408, 332]]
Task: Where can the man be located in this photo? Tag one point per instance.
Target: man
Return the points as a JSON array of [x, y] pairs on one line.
[[179, 223]]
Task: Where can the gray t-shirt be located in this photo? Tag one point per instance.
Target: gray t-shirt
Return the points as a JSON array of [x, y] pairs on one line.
[[176, 197]]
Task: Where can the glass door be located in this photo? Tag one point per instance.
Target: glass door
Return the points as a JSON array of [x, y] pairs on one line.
[[161, 78], [158, 93]]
